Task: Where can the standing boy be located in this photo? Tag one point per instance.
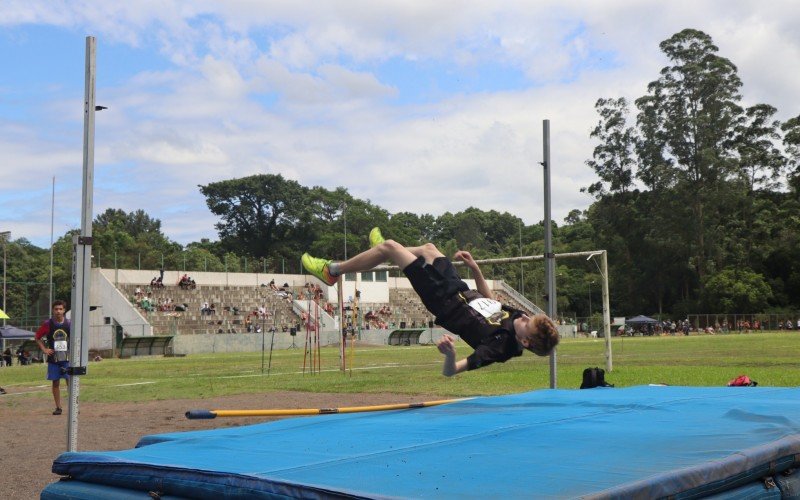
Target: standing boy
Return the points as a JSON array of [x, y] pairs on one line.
[[55, 331]]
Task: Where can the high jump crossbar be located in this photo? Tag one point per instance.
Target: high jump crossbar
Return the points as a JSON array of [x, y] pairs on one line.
[[603, 267], [208, 414]]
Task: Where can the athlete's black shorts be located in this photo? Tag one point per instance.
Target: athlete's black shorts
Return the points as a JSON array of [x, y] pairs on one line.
[[436, 283]]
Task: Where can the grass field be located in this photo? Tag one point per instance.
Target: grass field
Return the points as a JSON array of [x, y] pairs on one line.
[[769, 358]]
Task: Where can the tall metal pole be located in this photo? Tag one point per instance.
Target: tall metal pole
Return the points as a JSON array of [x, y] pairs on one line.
[[606, 313], [549, 256], [82, 254], [52, 224], [521, 265], [6, 236]]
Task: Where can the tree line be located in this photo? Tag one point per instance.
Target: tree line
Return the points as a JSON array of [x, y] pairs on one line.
[[697, 197], [696, 201]]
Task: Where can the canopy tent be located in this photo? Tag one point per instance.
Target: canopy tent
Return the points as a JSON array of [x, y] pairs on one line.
[[641, 320], [12, 332]]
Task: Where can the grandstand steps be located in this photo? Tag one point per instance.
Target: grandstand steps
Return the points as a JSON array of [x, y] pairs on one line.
[[405, 308], [224, 298]]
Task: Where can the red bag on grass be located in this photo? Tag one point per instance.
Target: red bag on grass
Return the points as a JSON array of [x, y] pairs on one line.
[[742, 381]]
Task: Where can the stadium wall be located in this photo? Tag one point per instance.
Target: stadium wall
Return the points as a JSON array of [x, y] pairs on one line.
[[371, 291]]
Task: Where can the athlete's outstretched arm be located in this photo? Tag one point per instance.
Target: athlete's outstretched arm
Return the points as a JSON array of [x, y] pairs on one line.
[[480, 281], [451, 366]]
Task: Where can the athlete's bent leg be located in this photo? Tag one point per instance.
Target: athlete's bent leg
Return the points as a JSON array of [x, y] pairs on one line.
[[389, 250]]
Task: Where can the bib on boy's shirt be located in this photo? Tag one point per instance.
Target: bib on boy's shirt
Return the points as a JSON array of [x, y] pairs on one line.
[[490, 309], [60, 345]]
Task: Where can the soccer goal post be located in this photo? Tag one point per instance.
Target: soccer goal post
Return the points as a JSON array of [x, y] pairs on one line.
[[588, 255]]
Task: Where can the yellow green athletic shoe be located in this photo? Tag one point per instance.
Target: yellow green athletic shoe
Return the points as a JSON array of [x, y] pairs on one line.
[[375, 237], [319, 268]]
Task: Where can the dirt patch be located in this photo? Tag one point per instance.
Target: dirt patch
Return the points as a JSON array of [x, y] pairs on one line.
[[32, 437]]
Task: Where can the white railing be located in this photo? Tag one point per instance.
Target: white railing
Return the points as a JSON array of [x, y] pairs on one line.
[[326, 321], [519, 298]]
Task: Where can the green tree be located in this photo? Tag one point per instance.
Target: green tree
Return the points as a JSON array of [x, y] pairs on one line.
[[612, 158], [132, 240], [27, 282], [761, 162], [791, 141], [737, 291], [332, 211], [711, 171], [258, 212], [695, 106]]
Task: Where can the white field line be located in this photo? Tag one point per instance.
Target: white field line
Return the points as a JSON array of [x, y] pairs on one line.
[[376, 367], [37, 388], [41, 388]]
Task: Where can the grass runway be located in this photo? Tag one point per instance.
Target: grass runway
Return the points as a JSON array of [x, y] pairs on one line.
[[700, 360]]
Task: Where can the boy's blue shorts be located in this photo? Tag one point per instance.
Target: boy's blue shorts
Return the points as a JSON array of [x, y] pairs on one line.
[[58, 370]]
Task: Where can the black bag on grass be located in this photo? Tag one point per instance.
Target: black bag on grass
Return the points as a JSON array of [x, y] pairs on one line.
[[594, 377]]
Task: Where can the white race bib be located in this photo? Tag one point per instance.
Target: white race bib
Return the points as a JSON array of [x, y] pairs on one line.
[[60, 345], [486, 307]]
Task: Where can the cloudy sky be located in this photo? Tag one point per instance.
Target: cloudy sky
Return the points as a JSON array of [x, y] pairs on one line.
[[424, 107]]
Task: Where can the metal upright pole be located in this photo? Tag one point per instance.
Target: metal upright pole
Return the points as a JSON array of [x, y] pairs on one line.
[[521, 265], [52, 223], [549, 256], [6, 235], [82, 254], [342, 322], [606, 314]]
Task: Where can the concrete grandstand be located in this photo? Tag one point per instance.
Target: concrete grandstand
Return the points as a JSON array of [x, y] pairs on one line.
[[239, 296]]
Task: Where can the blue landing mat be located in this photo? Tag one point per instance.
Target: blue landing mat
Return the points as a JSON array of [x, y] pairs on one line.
[[642, 442]]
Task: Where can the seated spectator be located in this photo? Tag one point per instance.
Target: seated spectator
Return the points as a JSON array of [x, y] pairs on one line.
[[182, 308], [159, 282], [273, 286], [23, 357], [146, 303], [213, 309]]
